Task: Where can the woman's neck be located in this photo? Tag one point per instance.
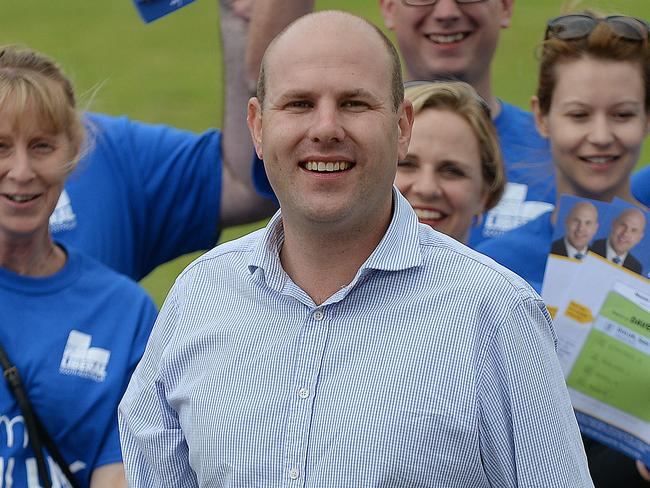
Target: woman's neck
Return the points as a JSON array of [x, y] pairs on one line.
[[32, 257]]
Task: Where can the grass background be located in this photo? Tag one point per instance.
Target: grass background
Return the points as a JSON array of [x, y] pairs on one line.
[[170, 71]]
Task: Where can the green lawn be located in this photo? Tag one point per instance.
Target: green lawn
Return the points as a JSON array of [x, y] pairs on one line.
[[169, 71]]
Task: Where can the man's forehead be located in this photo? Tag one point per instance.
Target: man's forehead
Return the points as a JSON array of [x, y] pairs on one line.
[[633, 217], [342, 45], [583, 210], [324, 32]]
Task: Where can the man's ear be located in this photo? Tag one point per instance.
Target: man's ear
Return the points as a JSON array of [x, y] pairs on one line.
[[387, 12], [507, 7], [405, 125], [540, 120], [254, 120]]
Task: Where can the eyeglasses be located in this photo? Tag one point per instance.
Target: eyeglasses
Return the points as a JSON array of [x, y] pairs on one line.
[[477, 98], [577, 26], [419, 3]]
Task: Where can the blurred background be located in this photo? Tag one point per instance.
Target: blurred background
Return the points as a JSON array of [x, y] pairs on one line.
[[170, 71]]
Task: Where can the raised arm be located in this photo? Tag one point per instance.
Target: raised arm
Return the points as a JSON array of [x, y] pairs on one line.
[[240, 202], [268, 18]]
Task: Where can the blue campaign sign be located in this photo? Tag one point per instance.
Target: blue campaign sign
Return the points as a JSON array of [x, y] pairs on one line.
[[151, 10]]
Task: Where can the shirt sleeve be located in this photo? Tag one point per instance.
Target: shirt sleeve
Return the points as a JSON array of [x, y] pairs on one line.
[[144, 315], [153, 444], [528, 432], [173, 181]]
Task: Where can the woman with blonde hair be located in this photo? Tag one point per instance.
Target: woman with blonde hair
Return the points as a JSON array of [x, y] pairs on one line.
[[72, 329], [453, 172]]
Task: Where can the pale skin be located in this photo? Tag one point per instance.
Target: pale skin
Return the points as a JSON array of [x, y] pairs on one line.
[[627, 230], [27, 247], [426, 56], [581, 224], [271, 16], [330, 101], [597, 111], [240, 202], [441, 176], [32, 163], [109, 476]]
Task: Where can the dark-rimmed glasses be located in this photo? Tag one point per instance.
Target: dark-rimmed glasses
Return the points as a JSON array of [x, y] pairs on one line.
[[478, 98], [578, 26], [419, 3]]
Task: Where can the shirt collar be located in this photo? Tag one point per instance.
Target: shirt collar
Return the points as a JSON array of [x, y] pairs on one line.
[[572, 251], [399, 249], [611, 253]]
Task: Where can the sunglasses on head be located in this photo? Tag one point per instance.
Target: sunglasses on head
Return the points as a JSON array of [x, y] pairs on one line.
[[477, 98], [578, 26]]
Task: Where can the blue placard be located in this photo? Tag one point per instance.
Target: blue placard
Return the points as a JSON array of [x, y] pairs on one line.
[[151, 10]]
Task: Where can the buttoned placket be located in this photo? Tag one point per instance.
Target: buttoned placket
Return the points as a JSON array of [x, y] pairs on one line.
[[308, 362]]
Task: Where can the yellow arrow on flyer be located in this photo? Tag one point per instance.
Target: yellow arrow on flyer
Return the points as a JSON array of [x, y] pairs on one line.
[[579, 313], [552, 311]]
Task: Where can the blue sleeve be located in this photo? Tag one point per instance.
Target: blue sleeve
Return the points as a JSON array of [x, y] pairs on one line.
[[523, 250], [641, 185], [173, 178]]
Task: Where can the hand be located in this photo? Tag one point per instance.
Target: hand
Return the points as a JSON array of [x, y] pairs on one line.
[[643, 471], [240, 8]]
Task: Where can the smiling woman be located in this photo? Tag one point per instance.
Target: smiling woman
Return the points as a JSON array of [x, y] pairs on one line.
[[593, 104], [57, 302], [453, 171]]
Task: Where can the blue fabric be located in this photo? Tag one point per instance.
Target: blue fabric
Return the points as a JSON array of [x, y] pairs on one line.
[[530, 190], [641, 185], [524, 250], [529, 169], [76, 400], [433, 367], [151, 10], [144, 194]]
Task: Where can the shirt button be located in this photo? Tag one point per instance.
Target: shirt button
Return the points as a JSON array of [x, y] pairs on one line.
[[303, 393], [319, 315], [294, 474]]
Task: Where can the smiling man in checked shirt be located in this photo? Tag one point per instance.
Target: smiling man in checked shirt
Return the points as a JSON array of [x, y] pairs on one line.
[[345, 344]]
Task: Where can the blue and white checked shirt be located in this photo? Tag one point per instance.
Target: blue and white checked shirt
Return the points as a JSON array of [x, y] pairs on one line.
[[434, 367]]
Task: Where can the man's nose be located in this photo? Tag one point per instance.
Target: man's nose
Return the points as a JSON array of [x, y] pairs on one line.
[[327, 125], [446, 10]]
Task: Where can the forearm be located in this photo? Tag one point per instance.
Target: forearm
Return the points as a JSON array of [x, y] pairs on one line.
[[108, 476], [237, 147], [268, 18], [240, 203]]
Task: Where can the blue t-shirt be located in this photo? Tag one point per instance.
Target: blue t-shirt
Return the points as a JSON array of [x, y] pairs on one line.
[[529, 169], [641, 185], [75, 338], [523, 250], [143, 195], [530, 190]]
